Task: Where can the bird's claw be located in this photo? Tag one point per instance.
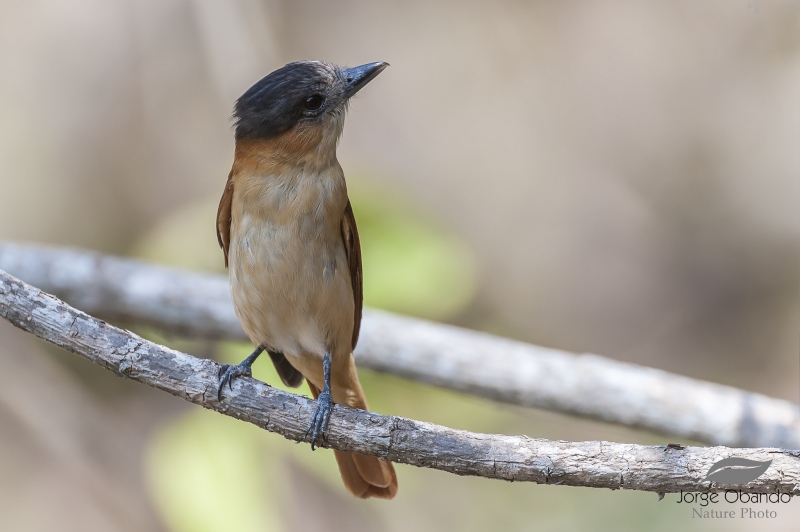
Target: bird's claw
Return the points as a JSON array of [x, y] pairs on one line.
[[319, 420], [228, 372]]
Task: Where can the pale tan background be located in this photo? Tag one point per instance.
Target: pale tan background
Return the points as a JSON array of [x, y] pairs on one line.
[[624, 176]]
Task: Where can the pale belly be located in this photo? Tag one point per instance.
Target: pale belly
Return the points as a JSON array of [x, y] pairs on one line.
[[291, 286]]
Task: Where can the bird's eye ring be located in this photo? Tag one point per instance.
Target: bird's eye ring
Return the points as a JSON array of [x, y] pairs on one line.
[[314, 102]]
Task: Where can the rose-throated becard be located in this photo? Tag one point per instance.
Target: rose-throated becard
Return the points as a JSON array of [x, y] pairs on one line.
[[291, 247]]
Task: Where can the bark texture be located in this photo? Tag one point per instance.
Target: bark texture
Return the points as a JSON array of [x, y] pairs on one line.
[[516, 458], [586, 385]]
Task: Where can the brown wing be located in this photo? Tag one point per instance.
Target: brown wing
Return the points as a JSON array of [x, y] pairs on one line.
[[353, 249], [224, 218], [288, 374]]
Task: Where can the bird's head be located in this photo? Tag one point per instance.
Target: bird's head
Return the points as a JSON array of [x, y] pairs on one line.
[[303, 102]]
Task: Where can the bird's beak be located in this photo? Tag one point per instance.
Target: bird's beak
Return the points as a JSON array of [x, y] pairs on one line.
[[359, 76]]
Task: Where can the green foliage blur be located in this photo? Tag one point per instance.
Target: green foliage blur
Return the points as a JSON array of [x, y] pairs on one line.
[[625, 174], [411, 264], [211, 473]]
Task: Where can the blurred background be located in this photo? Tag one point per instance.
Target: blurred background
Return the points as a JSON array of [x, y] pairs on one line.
[[606, 176]]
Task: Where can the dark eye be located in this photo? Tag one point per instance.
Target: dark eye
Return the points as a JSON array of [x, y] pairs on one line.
[[313, 103]]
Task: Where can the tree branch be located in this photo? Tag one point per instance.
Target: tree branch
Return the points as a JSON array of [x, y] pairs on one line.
[[591, 386], [516, 458]]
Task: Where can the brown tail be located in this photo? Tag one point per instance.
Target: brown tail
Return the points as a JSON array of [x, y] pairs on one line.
[[364, 476]]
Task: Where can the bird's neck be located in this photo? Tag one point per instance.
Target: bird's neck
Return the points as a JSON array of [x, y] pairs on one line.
[[294, 173], [310, 147]]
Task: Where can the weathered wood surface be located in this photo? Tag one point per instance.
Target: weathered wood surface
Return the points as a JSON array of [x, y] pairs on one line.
[[199, 306], [518, 458]]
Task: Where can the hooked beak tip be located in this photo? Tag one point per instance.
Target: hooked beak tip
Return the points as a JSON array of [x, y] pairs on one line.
[[357, 77]]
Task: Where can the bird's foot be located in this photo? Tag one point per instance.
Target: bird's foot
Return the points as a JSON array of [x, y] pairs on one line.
[[319, 420], [228, 372]]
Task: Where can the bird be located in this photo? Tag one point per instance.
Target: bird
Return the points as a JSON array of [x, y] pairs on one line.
[[291, 247]]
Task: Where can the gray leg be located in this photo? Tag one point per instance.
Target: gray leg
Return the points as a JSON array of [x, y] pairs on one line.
[[322, 413], [227, 372]]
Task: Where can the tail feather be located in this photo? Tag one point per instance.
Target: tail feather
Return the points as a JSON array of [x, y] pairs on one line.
[[359, 471], [380, 477], [350, 475], [364, 476]]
